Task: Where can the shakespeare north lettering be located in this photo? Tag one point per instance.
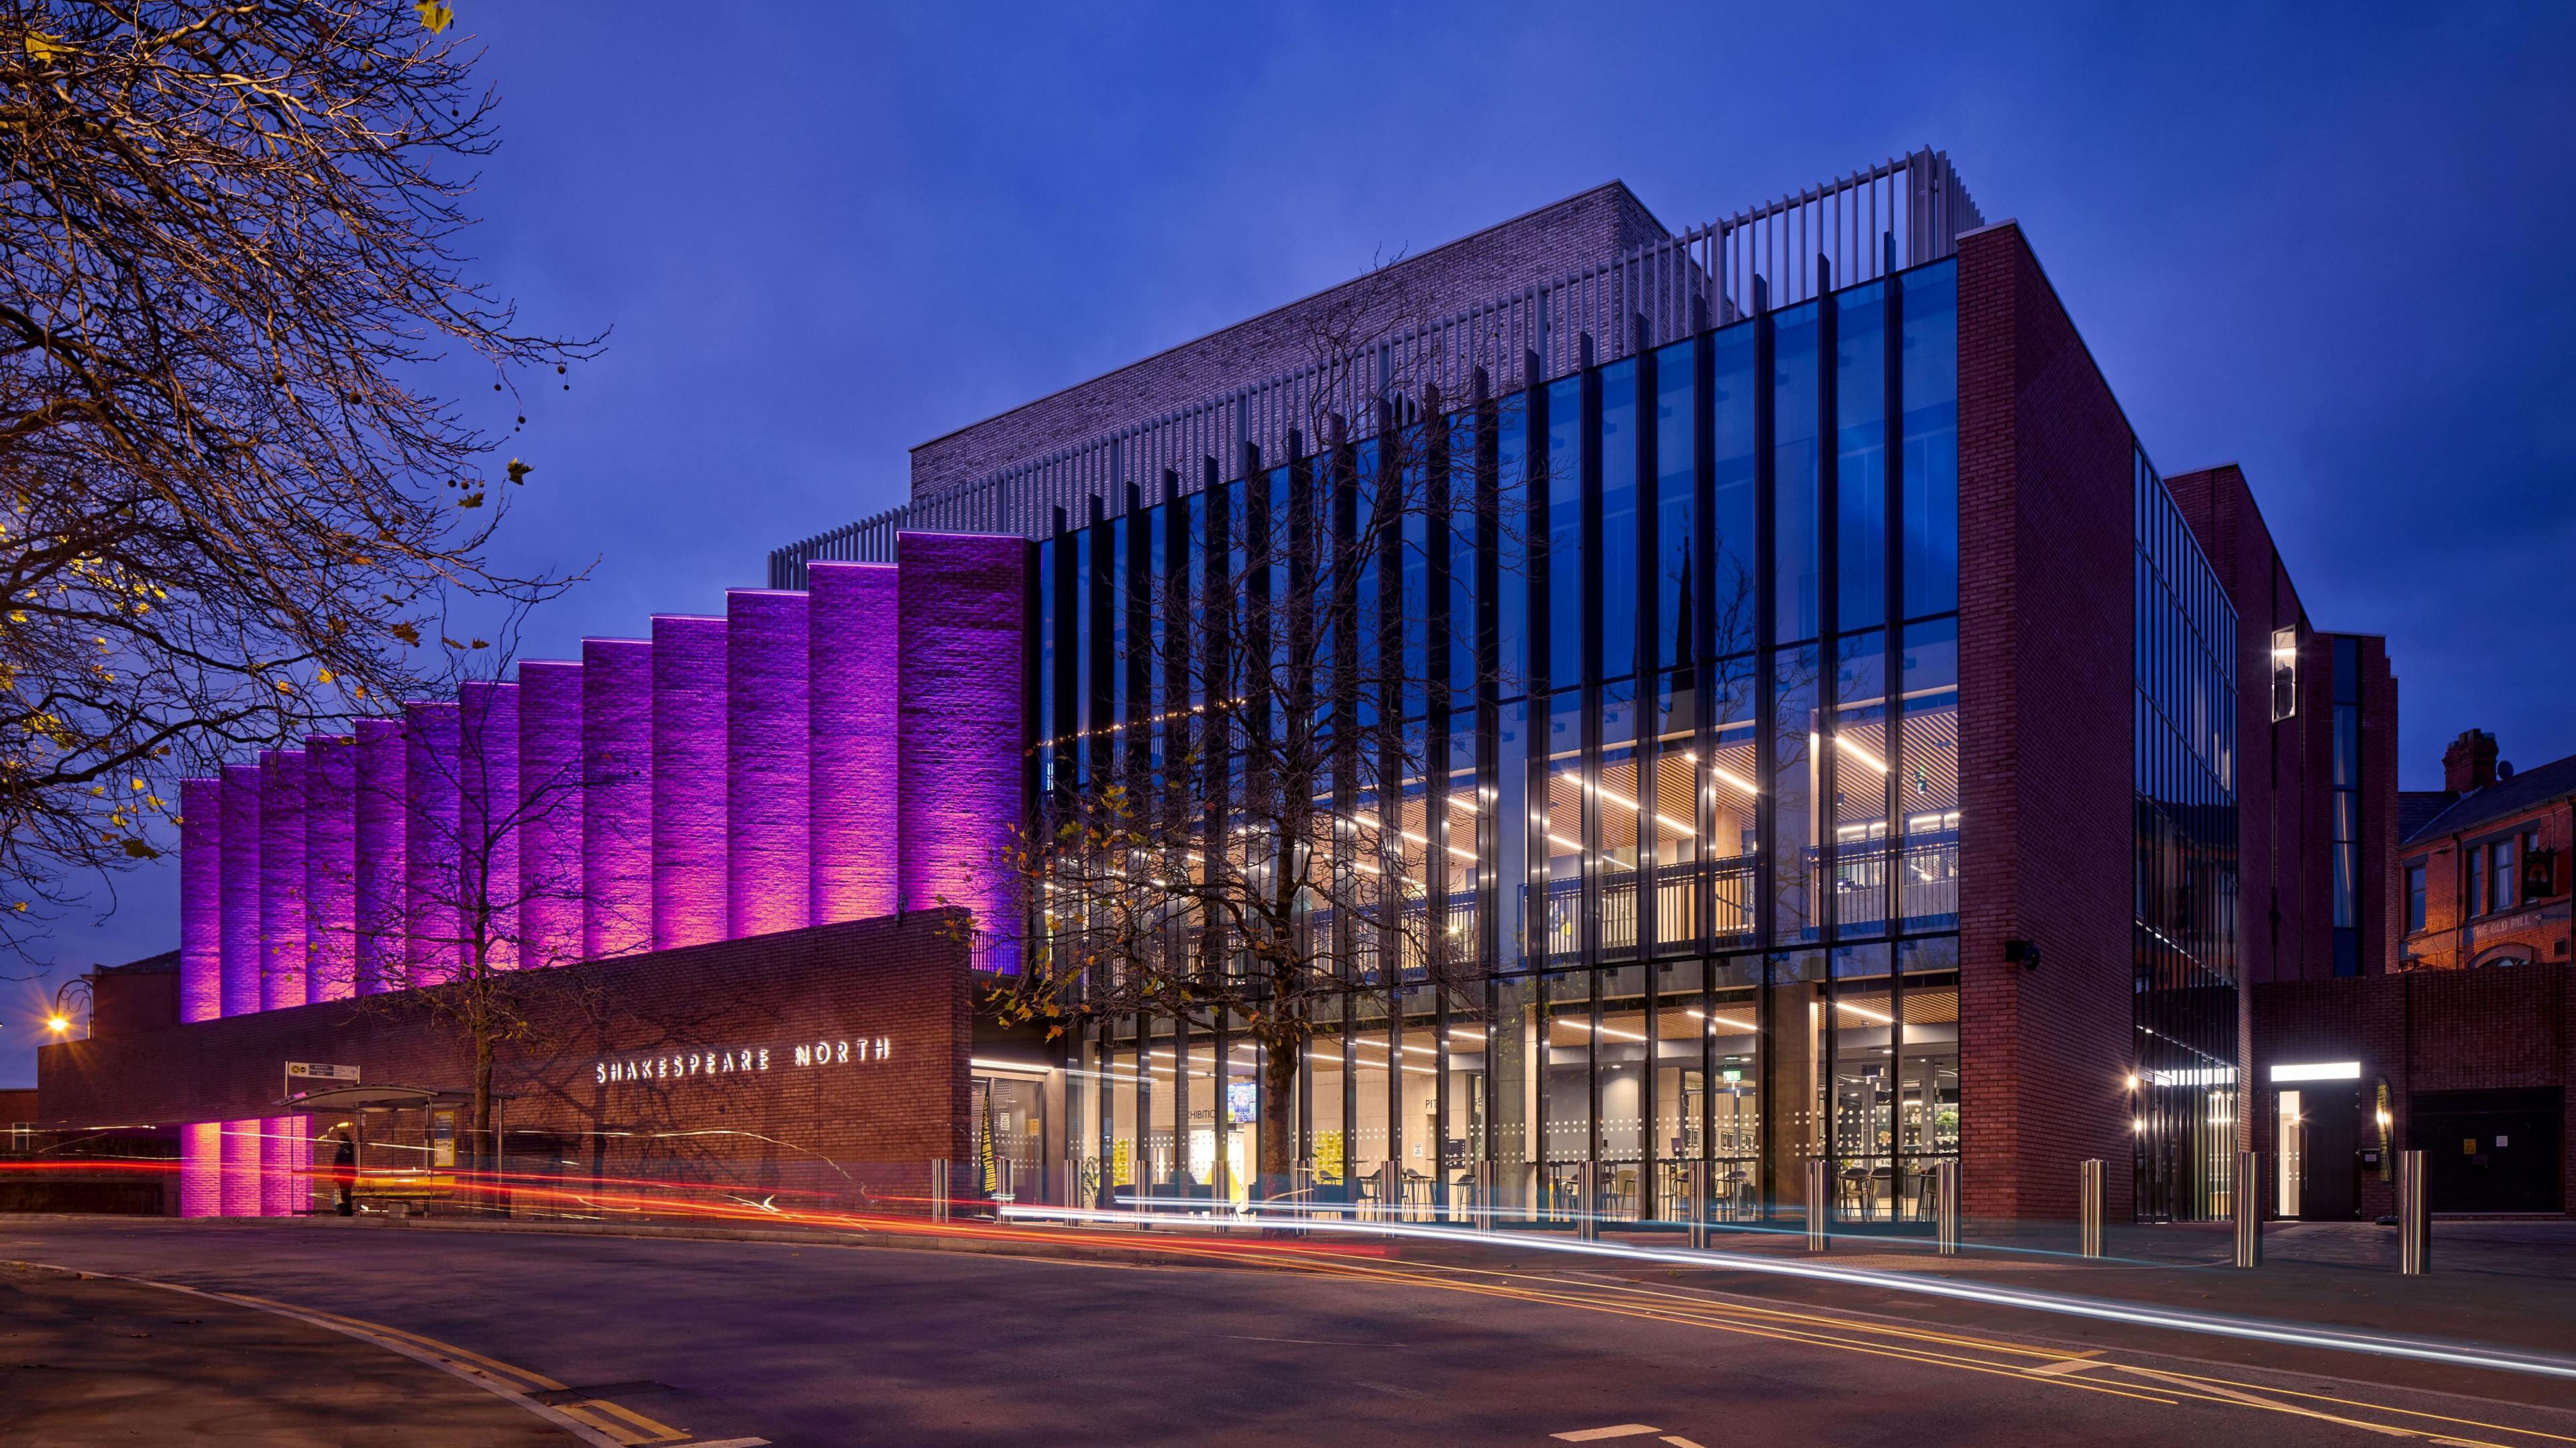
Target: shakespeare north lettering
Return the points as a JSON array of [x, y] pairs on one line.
[[736, 1063]]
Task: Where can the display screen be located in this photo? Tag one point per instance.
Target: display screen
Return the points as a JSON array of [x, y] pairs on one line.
[[1242, 1101]]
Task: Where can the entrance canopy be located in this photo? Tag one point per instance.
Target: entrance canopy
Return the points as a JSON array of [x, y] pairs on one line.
[[332, 1100]]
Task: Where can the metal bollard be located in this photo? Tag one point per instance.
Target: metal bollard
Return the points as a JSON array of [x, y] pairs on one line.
[[2249, 1209], [1587, 1201], [1071, 1190], [1945, 1207], [2414, 1216], [1697, 1206], [1390, 1190], [939, 1191], [1820, 1204], [2088, 1208], [1002, 1194], [1483, 1209]]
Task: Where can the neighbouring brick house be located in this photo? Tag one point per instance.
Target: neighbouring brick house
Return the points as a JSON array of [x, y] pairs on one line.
[[2465, 1047], [2483, 872]]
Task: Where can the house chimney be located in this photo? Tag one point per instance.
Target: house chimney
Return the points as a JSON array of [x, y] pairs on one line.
[[2470, 762]]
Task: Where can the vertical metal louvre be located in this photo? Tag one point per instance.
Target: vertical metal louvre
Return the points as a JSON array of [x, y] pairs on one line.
[[1900, 213]]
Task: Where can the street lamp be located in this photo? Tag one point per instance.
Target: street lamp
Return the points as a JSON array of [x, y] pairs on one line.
[[68, 999]]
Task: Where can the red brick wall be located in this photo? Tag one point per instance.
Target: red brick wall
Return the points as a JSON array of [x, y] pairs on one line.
[[2045, 693], [2425, 1031], [2382, 902], [901, 979], [129, 1000], [2279, 846], [1599, 225]]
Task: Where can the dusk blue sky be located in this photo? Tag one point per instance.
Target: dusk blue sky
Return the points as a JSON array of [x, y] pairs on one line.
[[2327, 245]]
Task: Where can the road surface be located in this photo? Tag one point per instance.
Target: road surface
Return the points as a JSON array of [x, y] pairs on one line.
[[674, 1341]]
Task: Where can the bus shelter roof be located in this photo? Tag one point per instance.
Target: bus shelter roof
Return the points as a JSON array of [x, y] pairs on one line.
[[324, 1100]]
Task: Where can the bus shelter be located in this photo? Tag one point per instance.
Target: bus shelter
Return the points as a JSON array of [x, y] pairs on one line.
[[386, 1150]]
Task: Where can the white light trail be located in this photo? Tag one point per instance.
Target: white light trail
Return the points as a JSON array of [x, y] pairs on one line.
[[2060, 1303]]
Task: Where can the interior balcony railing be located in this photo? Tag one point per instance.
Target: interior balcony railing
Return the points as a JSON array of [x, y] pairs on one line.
[[1917, 880]]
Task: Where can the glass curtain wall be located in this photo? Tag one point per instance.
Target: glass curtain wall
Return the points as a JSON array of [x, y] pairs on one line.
[[2186, 1078], [1694, 816]]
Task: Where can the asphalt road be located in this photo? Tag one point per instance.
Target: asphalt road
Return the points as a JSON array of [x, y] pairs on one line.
[[817, 1345]]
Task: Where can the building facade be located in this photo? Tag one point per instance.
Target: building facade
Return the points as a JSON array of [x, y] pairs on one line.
[[1834, 748], [1838, 809]]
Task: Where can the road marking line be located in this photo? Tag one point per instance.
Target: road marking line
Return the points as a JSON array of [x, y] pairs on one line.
[[369, 1334], [472, 1359], [729, 1443], [1594, 1435], [2204, 1385], [1678, 1441], [625, 1438], [658, 1432], [2061, 1367], [1391, 1388]]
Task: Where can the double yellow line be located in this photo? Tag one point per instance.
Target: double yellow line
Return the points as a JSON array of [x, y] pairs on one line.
[[1931, 1347]]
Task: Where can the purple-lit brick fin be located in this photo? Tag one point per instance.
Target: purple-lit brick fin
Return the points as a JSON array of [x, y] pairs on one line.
[[766, 790], [959, 645], [487, 816], [430, 877], [238, 890], [688, 780], [285, 1155], [616, 796], [239, 1153], [201, 1168], [850, 631], [201, 900], [550, 886], [383, 848], [281, 879], [330, 866]]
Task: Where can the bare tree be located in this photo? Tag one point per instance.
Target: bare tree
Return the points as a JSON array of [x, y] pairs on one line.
[[1272, 825], [229, 493], [468, 947]]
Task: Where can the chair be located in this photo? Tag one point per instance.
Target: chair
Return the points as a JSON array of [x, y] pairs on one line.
[[1848, 1190]]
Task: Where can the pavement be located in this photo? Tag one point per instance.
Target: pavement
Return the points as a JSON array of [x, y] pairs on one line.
[[88, 1360], [804, 1342], [2505, 1284]]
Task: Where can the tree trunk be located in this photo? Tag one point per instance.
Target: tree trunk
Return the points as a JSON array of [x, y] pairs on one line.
[[487, 1150], [1279, 1051]]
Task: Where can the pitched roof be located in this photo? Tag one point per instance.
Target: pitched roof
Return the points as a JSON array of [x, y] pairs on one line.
[[2416, 808], [2505, 797]]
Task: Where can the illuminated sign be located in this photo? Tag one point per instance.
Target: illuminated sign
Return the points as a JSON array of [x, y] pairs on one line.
[[305, 1075], [738, 1062], [2319, 1071]]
